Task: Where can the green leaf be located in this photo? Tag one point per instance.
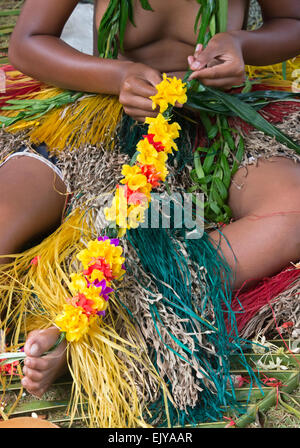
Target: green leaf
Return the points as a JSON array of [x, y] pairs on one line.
[[214, 207], [198, 166], [123, 22], [213, 132], [238, 156], [209, 160], [222, 190], [228, 211], [222, 6], [226, 170], [146, 5], [228, 138], [249, 114], [207, 11], [130, 12], [284, 70]]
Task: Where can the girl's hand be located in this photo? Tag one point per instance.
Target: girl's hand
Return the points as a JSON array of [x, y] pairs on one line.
[[137, 85], [220, 64]]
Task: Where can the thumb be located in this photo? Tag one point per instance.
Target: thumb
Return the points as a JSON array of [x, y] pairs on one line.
[[154, 77]]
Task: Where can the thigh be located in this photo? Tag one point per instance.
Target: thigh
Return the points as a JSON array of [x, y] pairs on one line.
[[32, 199], [271, 185]]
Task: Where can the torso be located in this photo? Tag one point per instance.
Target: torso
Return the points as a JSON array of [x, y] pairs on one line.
[[165, 37]]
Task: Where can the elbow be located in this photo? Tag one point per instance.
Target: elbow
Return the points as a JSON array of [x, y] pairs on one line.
[[17, 52]]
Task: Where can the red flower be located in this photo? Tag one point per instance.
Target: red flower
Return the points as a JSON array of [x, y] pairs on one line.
[[287, 324], [157, 145], [99, 265], [152, 175], [83, 302], [35, 260]]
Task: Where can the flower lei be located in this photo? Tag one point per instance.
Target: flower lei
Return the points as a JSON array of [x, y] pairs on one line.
[[102, 260], [103, 263], [133, 197]]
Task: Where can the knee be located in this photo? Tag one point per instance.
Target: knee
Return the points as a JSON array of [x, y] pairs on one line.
[[284, 207], [286, 199], [9, 232]]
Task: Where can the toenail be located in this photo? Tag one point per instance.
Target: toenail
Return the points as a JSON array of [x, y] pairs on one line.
[[34, 350]]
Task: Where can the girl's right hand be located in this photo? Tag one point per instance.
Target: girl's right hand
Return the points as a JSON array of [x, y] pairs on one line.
[[137, 85]]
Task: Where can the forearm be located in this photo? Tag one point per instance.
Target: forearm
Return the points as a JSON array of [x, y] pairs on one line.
[[276, 41], [49, 59]]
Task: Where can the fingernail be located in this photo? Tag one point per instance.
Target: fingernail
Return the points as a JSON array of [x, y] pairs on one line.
[[195, 65], [198, 47], [34, 350]]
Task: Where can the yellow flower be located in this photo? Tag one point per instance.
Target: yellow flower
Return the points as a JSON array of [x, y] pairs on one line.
[[96, 275], [147, 152], [133, 177], [136, 182], [169, 91], [110, 253], [161, 169], [146, 190], [164, 132], [78, 283], [135, 216], [74, 322], [118, 210], [93, 293]]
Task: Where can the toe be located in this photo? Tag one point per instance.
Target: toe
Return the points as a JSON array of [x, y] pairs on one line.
[[41, 364], [40, 341], [32, 387], [33, 375]]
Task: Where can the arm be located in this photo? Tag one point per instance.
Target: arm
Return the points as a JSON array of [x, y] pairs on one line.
[[37, 50], [277, 40], [279, 37]]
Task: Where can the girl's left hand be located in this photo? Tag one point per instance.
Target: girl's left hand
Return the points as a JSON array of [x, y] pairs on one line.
[[220, 64]]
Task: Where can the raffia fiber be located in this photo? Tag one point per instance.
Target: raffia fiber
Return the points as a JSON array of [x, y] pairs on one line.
[[91, 171], [286, 307]]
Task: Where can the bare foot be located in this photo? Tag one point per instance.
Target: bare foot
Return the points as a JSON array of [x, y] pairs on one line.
[[41, 371]]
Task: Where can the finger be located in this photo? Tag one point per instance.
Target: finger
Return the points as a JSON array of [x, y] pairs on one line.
[[139, 87], [199, 48], [154, 78], [204, 57], [225, 70], [136, 102], [190, 59], [179, 105], [140, 113]]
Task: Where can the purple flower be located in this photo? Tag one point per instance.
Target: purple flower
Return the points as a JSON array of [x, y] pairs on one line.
[[105, 290], [102, 238], [114, 241], [100, 313]]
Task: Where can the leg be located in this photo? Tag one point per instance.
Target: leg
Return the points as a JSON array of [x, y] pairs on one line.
[[29, 202], [265, 236], [31, 207]]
